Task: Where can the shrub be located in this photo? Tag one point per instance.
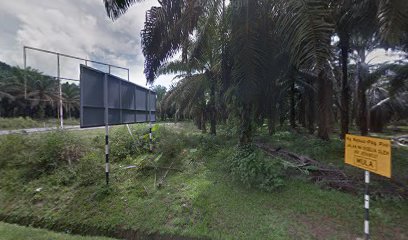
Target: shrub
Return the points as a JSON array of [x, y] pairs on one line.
[[124, 145], [209, 143], [89, 170], [12, 150], [17, 123], [254, 169], [53, 150], [169, 143]]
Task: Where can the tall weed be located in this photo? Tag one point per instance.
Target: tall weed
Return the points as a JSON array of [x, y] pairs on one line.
[[52, 150], [13, 150], [254, 169], [124, 145]]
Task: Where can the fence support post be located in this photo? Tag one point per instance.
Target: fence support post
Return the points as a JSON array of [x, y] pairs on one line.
[[61, 109]]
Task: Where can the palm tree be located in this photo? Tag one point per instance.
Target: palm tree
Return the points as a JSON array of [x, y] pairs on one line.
[[195, 94], [70, 94], [23, 86], [167, 28], [160, 92], [387, 96], [188, 97], [389, 18]]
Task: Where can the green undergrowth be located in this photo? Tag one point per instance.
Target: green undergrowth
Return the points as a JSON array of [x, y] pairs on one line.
[[332, 152], [192, 185], [26, 122], [15, 232]]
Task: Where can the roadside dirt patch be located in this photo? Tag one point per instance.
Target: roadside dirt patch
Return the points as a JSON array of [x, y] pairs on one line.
[[321, 228]]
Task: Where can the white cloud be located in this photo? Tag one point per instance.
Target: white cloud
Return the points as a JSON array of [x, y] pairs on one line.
[[76, 27]]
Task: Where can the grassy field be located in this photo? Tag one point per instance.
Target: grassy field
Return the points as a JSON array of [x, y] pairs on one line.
[[15, 232], [21, 123], [198, 198]]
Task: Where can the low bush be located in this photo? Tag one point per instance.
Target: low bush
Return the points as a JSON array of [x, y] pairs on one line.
[[17, 123], [30, 156], [169, 143], [52, 150], [254, 169], [89, 170], [13, 150], [124, 145], [209, 143], [27, 122], [172, 143]]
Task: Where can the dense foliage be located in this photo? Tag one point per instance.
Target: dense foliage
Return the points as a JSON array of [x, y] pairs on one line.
[[271, 60], [29, 93]]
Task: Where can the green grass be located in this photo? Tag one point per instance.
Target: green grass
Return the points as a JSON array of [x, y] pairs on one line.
[[202, 200], [22, 122], [15, 232]]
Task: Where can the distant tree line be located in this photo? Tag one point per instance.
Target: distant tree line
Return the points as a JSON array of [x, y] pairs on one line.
[[277, 61], [29, 93]]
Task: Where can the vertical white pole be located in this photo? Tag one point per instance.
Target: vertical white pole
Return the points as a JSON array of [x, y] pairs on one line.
[[61, 110], [150, 123], [25, 67], [105, 95], [367, 207]]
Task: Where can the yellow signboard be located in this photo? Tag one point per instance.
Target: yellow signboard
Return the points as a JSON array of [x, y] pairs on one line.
[[371, 154]]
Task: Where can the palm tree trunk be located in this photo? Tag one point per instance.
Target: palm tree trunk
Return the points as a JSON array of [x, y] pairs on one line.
[[310, 114], [324, 101], [363, 114], [198, 122], [292, 118], [203, 126], [245, 136], [362, 106], [345, 95], [376, 121], [213, 121], [302, 110], [184, 47], [271, 125], [271, 119]]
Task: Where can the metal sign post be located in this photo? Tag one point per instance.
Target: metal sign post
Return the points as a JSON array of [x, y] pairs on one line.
[[150, 123], [25, 68], [105, 97], [367, 206], [372, 155]]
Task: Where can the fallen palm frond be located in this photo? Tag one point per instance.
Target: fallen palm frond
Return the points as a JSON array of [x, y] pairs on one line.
[[320, 173]]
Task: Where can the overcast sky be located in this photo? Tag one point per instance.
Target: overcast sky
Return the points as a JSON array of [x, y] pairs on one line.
[[80, 28], [75, 27]]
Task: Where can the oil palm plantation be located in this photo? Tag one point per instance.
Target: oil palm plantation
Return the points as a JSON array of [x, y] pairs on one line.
[[386, 18], [31, 91], [28, 92], [272, 55]]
